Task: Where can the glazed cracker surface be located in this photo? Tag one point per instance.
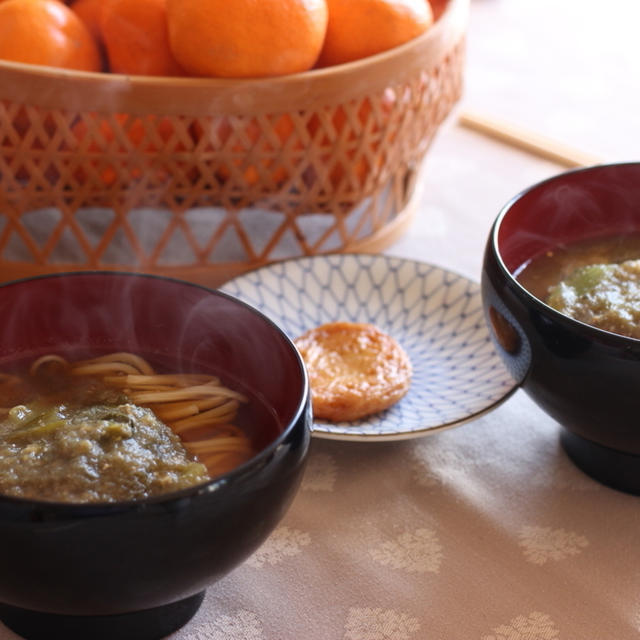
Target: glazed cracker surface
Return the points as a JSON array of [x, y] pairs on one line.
[[355, 370]]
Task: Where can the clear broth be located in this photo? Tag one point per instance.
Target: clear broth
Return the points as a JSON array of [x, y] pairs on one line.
[[255, 418], [545, 271]]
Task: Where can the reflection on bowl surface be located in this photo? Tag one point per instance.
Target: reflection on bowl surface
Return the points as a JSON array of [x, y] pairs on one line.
[[584, 377], [138, 569]]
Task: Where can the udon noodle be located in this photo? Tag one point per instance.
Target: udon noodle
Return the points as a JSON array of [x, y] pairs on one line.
[[197, 407]]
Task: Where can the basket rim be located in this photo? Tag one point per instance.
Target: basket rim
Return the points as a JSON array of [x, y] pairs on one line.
[[451, 20]]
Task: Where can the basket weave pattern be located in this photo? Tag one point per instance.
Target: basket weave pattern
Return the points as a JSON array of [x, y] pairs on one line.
[[210, 192]]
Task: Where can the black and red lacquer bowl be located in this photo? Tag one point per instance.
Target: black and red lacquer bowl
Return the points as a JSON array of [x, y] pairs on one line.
[[138, 570], [586, 378]]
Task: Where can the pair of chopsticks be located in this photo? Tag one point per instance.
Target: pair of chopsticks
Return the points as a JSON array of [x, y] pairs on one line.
[[526, 140]]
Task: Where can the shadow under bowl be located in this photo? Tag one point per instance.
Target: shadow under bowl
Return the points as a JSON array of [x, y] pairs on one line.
[[585, 378], [138, 570]]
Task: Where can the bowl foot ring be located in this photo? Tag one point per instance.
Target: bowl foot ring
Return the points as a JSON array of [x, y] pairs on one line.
[[610, 467], [149, 624]]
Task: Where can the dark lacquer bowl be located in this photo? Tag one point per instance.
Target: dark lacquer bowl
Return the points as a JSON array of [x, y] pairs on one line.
[[138, 570], [586, 378]]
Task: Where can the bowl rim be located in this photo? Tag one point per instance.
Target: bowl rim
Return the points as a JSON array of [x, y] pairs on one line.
[[214, 484], [607, 337]]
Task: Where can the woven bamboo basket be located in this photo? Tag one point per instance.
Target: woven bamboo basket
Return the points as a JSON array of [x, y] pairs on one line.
[[202, 179]]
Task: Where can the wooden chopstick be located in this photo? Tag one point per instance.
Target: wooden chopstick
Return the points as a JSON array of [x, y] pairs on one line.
[[526, 140]]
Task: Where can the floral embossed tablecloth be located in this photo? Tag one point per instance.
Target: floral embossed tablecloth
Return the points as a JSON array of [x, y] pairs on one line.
[[485, 532]]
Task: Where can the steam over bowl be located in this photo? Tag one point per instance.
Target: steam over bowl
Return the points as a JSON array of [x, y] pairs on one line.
[[139, 569], [586, 378]]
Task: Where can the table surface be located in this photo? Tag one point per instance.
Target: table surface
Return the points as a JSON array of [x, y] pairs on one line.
[[485, 531]]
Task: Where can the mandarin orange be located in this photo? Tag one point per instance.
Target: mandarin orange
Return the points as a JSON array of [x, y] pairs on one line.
[[360, 159], [361, 28], [136, 38], [90, 12], [252, 157], [142, 134], [46, 32], [275, 173], [438, 7], [246, 38]]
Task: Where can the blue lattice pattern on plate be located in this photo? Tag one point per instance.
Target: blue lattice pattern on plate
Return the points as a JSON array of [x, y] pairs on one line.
[[435, 314]]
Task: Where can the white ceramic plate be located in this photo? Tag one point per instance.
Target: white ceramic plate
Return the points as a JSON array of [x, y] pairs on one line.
[[435, 314]]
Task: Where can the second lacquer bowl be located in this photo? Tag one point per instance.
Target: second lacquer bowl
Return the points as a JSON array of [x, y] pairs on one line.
[[584, 377]]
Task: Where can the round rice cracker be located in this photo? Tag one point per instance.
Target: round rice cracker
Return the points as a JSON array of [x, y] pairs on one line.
[[355, 370]]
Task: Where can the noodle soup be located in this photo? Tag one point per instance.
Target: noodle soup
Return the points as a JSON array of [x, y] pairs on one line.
[[596, 281], [112, 428]]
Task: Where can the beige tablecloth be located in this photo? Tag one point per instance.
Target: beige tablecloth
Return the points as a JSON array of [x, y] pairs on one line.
[[485, 532]]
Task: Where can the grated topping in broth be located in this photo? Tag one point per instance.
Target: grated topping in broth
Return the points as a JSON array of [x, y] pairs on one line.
[[99, 453], [595, 281]]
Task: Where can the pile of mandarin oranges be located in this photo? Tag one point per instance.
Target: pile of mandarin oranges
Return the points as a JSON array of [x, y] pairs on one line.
[[206, 38]]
